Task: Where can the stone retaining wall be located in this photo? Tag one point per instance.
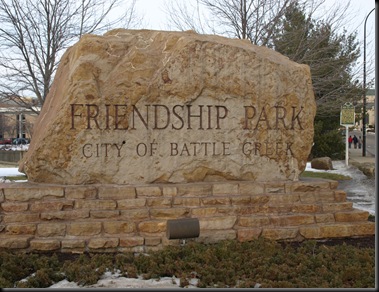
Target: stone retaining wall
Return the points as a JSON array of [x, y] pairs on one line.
[[115, 218]]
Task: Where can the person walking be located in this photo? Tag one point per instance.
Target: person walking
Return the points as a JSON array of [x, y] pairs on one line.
[[350, 140], [355, 141], [359, 142]]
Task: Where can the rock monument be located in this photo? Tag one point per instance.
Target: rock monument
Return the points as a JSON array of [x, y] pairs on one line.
[[148, 137], [141, 106]]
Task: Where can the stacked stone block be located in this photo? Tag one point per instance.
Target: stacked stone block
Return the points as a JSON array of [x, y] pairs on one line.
[[117, 218]]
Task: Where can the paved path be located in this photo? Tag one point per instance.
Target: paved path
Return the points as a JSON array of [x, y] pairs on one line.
[[365, 163]]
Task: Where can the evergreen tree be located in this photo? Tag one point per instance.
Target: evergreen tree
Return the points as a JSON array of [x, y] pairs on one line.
[[331, 57]]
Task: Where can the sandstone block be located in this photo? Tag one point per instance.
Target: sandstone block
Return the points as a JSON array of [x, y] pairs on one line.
[[114, 192], [51, 229], [42, 206], [251, 189], [362, 228], [148, 192], [169, 213], [292, 220], [80, 192], [240, 200], [259, 199], [65, 215], [14, 206], [213, 236], [335, 230], [158, 202], [84, 228], [306, 208], [152, 241], [222, 189], [333, 184], [131, 241], [340, 196], [153, 226], [20, 217], [310, 232], [304, 185], [104, 214], [352, 216], [239, 210], [279, 233], [14, 242], [248, 234], [115, 227], [275, 187], [215, 201], [311, 185], [184, 201], [204, 212], [216, 223], [100, 243], [283, 199], [253, 221], [325, 218], [73, 244], [19, 229], [276, 208], [134, 214], [24, 194], [340, 206], [45, 244], [194, 190], [131, 203], [95, 204], [228, 210], [169, 191]]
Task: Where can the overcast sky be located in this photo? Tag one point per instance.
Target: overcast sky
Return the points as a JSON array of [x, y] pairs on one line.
[[155, 18]]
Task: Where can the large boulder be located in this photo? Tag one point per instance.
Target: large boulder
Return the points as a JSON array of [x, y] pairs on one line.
[[324, 163], [143, 106]]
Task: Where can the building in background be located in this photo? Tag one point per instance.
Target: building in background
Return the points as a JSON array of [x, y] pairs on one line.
[[370, 111], [16, 121]]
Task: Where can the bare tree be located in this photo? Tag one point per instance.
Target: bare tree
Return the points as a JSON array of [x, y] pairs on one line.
[[254, 20], [34, 35], [187, 16], [317, 38]]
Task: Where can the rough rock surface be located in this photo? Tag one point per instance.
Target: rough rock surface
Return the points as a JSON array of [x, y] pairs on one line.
[[324, 163], [143, 106]]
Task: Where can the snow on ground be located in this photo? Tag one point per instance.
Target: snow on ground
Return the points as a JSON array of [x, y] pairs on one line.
[[116, 281], [10, 171], [360, 189], [10, 147]]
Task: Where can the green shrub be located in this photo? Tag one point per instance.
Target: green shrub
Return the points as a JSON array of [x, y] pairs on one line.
[[327, 142], [226, 264]]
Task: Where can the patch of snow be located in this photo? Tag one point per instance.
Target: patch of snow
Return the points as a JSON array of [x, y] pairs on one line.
[[114, 280]]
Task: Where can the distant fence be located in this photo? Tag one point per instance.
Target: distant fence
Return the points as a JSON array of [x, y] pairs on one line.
[[11, 156]]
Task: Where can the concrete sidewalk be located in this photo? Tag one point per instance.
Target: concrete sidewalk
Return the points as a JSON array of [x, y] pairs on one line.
[[356, 155], [365, 163]]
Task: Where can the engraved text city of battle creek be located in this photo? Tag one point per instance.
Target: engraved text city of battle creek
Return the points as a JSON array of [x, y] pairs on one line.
[[159, 117]]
